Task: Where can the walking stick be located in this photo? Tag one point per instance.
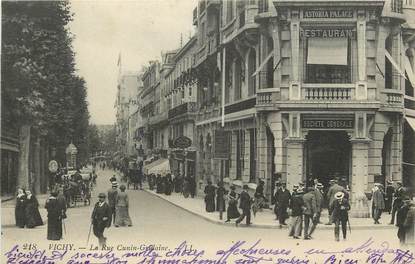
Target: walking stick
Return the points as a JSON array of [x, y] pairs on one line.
[[348, 222], [89, 234]]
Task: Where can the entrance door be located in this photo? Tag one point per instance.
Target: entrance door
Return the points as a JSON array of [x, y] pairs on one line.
[[328, 156]]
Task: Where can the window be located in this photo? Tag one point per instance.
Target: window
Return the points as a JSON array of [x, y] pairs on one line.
[[328, 60], [240, 153], [252, 158], [388, 64], [229, 11]]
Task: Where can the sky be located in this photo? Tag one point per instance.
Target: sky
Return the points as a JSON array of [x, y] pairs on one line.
[[138, 30]]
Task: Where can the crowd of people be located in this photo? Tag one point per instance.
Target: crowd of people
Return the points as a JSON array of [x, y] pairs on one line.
[[169, 183], [304, 205]]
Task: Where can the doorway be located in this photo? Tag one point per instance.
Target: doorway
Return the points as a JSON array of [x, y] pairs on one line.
[[328, 156]]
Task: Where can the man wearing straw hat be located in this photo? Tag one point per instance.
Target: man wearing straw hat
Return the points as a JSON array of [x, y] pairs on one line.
[[340, 214]]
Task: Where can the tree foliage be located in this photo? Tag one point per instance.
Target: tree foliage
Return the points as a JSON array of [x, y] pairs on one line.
[[40, 87]]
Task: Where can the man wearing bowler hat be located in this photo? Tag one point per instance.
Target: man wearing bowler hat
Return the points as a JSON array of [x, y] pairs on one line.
[[245, 205], [101, 218]]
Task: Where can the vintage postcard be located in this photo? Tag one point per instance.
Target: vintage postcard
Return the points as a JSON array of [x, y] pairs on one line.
[[208, 131]]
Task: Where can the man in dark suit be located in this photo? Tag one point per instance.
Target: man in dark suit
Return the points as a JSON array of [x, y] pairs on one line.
[[334, 188], [310, 212], [398, 201], [101, 218], [282, 200], [245, 205], [340, 209], [112, 199]]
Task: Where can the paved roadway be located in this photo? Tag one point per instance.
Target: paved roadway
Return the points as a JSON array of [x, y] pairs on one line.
[[155, 221]]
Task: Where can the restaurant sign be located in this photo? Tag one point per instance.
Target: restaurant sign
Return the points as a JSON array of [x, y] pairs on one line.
[[335, 14], [328, 33], [182, 142], [325, 123]]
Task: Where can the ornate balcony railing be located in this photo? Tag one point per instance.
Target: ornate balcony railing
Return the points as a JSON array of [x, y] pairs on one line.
[[319, 93], [189, 107], [392, 97]]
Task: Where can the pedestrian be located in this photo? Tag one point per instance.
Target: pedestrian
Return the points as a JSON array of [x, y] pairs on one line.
[[113, 179], [33, 217], [122, 217], [334, 188], [169, 184], [296, 208], [245, 202], [400, 219], [389, 196], [112, 199], [318, 192], [309, 212], [283, 197], [220, 197], [54, 209], [232, 212], [259, 196], [274, 198], [397, 202], [340, 214], [192, 184], [19, 210], [409, 225], [101, 219], [210, 196], [378, 202]]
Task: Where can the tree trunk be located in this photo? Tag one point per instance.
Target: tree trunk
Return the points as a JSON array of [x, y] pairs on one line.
[[24, 140]]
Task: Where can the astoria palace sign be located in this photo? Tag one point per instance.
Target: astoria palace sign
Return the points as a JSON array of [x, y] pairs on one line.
[[334, 14]]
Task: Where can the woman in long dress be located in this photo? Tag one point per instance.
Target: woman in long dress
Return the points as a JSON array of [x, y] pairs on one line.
[[210, 197], [232, 205], [122, 217], [54, 209], [33, 217], [19, 211]]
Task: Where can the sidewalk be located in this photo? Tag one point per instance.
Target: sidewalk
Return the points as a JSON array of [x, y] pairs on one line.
[[264, 219]]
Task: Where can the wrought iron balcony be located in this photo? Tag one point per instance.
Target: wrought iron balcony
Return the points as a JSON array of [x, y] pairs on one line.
[[185, 108]]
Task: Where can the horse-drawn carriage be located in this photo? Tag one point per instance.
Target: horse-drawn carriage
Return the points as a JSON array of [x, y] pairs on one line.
[[77, 188]]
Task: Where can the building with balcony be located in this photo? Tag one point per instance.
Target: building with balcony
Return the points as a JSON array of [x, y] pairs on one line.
[[129, 84], [308, 90], [181, 93]]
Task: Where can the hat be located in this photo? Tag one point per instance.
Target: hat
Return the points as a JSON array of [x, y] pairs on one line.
[[300, 190], [389, 182], [332, 181], [114, 184], [378, 184], [295, 185], [399, 182], [245, 187], [339, 195], [101, 195], [320, 185]]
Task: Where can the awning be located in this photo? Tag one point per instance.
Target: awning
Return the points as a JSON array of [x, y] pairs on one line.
[[395, 65], [263, 63], [409, 71], [411, 121], [325, 51], [162, 168], [147, 167]]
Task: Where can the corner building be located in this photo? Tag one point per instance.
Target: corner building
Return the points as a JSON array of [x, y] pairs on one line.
[[311, 89], [333, 90]]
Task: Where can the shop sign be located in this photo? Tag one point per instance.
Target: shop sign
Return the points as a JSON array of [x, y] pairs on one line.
[[182, 142], [328, 123], [221, 147], [328, 33], [315, 13]]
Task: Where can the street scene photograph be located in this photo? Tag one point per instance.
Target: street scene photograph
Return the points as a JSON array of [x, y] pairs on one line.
[[207, 132]]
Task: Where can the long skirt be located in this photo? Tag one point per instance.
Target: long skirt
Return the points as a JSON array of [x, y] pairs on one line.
[[20, 216], [210, 203], [233, 210], [122, 217], [33, 217], [54, 228]]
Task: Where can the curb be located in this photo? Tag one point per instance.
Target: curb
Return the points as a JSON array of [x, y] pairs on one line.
[[262, 226]]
